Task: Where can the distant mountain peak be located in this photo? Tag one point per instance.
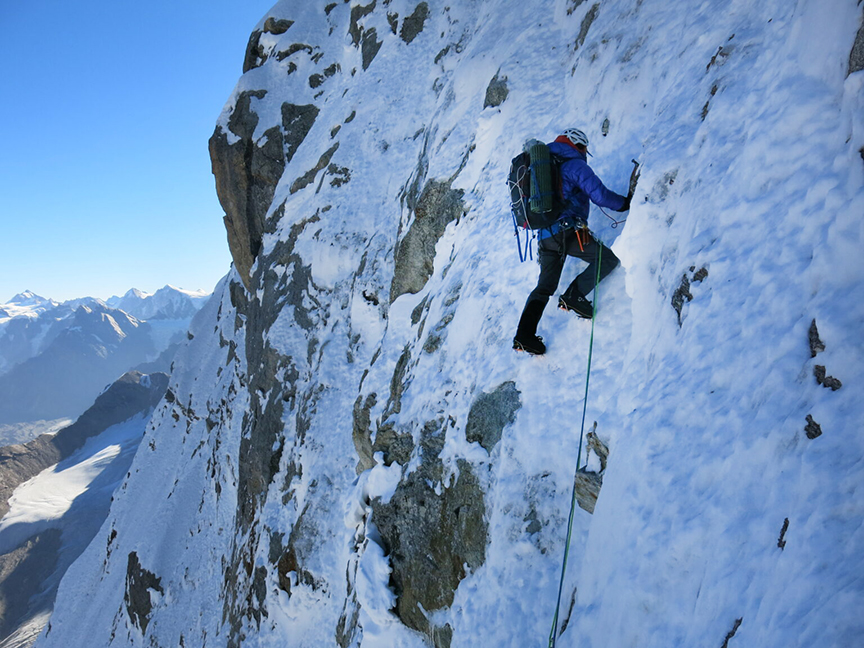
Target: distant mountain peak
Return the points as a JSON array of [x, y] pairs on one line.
[[134, 293], [29, 298]]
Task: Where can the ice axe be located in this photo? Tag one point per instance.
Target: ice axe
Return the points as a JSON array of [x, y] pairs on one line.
[[634, 176]]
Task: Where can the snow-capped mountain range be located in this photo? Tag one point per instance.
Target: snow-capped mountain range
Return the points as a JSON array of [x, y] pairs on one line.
[[25, 304], [55, 358], [168, 303], [349, 452]]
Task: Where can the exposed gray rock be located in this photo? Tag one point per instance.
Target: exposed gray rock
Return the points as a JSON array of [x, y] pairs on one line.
[[341, 176], [825, 380], [437, 206], [277, 26], [369, 47], [139, 582], [586, 24], [346, 628], [365, 39], [281, 55], [436, 336], [419, 310], [309, 177], [398, 383], [732, 632], [299, 550], [699, 275], [856, 56], [247, 172], [707, 105], [573, 5], [244, 197], [413, 24], [396, 446], [254, 52], [587, 486], [357, 13], [431, 540], [816, 344], [812, 429], [297, 121], [362, 433], [720, 56], [263, 442], [491, 413], [781, 541], [317, 79], [255, 55], [22, 574], [682, 294], [598, 447], [534, 524], [496, 92]]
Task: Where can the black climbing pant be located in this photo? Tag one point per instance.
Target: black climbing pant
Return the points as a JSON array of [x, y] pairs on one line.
[[551, 254]]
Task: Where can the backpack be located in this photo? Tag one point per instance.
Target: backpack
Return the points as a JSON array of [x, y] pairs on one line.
[[534, 181]]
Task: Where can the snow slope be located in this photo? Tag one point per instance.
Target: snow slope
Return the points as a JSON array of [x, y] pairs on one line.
[[42, 501], [719, 519], [51, 520]]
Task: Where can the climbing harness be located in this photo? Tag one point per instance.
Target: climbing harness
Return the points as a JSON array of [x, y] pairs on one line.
[[553, 635]]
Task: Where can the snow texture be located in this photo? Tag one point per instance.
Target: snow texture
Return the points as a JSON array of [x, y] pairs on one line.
[[718, 516]]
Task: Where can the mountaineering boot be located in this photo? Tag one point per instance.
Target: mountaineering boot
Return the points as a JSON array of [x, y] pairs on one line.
[[576, 302], [526, 338], [533, 344]]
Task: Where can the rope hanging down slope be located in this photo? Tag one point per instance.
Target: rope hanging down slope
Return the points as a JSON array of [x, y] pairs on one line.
[[553, 635]]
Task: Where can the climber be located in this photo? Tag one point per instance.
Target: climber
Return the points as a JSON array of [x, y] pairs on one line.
[[569, 236]]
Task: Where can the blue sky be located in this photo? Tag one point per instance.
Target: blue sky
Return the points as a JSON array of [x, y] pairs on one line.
[[107, 106]]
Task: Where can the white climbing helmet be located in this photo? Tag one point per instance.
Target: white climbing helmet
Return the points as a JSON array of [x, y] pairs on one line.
[[576, 136]]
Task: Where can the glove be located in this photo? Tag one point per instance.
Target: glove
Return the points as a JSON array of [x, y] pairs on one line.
[[626, 205]]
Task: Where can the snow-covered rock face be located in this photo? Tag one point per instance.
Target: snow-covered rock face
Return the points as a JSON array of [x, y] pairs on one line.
[[350, 452]]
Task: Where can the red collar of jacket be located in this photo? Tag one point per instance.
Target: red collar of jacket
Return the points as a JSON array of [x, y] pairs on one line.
[[563, 139]]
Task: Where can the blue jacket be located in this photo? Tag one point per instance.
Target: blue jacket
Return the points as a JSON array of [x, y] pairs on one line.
[[580, 186]]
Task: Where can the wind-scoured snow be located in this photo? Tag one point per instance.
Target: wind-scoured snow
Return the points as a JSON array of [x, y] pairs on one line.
[[719, 517]]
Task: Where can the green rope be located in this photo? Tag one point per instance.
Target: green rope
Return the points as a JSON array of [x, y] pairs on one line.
[[553, 634]]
